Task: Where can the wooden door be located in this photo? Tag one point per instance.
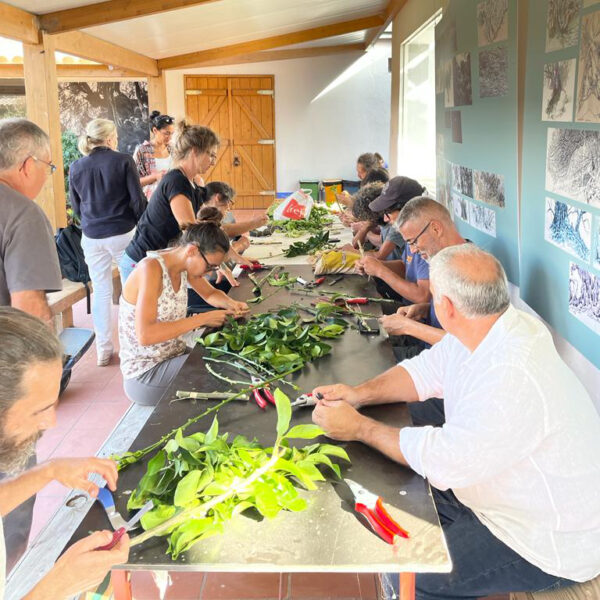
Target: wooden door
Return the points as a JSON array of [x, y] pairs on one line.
[[240, 109]]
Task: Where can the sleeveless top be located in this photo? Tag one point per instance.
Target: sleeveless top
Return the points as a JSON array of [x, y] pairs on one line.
[[172, 306]]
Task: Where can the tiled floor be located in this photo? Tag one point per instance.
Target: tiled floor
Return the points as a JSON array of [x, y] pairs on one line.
[[88, 411]]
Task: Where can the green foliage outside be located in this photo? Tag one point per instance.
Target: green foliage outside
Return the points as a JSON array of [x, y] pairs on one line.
[[70, 155]]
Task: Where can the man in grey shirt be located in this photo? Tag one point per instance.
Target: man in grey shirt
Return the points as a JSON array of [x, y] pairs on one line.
[[29, 264]]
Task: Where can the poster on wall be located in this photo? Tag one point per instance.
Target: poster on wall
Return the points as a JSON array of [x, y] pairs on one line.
[[459, 205], [562, 24], [571, 159], [597, 257], [568, 228], [493, 72], [559, 90], [462, 180], [588, 87], [489, 188], [123, 102], [482, 218], [492, 21], [584, 296], [461, 79]]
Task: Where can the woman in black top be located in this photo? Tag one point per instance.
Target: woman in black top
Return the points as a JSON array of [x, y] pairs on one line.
[[105, 192], [177, 199]]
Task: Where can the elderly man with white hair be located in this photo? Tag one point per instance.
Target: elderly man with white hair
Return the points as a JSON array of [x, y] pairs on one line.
[[515, 469], [29, 264]]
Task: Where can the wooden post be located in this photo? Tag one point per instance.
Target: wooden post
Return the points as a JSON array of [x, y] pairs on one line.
[[157, 93], [41, 91]]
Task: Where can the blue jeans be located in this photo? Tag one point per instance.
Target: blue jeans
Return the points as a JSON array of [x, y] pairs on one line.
[[482, 565], [126, 266]]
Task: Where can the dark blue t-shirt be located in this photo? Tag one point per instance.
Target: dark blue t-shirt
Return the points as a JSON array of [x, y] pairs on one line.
[[416, 266]]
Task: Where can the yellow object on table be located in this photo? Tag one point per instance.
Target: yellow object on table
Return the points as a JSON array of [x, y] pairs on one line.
[[335, 261]]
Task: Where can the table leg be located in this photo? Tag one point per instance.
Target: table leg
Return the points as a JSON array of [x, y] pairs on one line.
[[121, 583], [407, 586]]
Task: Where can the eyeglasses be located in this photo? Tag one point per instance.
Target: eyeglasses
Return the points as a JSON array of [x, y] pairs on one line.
[[209, 267], [414, 241], [50, 164]]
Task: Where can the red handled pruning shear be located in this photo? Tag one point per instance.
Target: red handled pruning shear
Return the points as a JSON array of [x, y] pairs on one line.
[[255, 266], [262, 395], [306, 400], [342, 301], [371, 507], [119, 533]]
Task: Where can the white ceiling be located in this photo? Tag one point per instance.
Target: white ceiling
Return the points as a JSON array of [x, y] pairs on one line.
[[220, 23]]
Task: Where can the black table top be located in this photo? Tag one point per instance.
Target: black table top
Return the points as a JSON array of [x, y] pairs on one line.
[[355, 358]]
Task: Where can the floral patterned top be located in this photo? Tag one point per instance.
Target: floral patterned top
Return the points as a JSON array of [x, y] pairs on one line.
[[135, 358], [144, 158]]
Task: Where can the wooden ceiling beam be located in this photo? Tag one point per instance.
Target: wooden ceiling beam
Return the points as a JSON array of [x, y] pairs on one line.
[[267, 56], [390, 13], [83, 45], [73, 72], [18, 24], [298, 37], [110, 11]]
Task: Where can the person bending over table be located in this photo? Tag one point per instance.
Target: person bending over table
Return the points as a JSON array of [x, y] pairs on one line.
[[152, 312], [514, 468], [30, 374], [176, 199], [407, 277]]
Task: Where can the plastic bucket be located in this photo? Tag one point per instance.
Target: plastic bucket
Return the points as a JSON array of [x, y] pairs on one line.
[[311, 187], [331, 187]]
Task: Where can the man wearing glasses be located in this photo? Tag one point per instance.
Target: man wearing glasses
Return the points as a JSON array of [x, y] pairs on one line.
[[29, 264]]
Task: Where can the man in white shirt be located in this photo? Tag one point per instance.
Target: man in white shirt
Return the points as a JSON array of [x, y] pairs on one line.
[[30, 373], [515, 468]]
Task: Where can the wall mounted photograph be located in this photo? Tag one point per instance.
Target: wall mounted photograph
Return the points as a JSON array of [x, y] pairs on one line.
[[588, 78], [492, 21], [571, 164], [569, 228], [123, 102], [456, 127], [493, 72], [461, 79], [482, 218], [584, 297], [448, 84], [489, 188], [462, 180], [459, 205], [559, 91], [562, 24]]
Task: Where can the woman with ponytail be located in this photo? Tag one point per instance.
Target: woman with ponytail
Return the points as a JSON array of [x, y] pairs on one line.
[[152, 313], [153, 157], [176, 199], [105, 193]]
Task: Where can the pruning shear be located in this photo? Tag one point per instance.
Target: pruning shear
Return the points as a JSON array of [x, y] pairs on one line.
[[262, 395], [255, 266], [336, 279], [119, 533], [342, 301], [306, 400], [371, 507]]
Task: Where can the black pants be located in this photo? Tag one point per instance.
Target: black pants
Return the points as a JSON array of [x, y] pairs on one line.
[[196, 303]]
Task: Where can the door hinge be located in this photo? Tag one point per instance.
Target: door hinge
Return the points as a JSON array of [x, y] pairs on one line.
[[264, 92], [193, 92], [266, 142]]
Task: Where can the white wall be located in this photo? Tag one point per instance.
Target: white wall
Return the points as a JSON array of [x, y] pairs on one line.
[[317, 139]]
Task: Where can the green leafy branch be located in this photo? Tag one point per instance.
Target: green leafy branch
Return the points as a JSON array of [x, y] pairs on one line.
[[198, 483], [310, 246]]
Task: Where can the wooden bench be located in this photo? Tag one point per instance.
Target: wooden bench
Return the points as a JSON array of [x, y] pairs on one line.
[[590, 590], [61, 303]]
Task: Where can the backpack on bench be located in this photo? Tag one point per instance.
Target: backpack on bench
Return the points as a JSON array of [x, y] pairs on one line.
[[72, 260]]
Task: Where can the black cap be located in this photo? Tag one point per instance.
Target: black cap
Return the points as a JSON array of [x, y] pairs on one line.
[[397, 191]]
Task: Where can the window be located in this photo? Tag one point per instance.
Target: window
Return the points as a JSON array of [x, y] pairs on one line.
[[416, 150]]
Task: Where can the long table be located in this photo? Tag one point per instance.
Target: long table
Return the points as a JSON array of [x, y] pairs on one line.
[[329, 536]]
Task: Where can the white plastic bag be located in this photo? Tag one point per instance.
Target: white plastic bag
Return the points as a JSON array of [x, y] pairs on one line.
[[296, 206]]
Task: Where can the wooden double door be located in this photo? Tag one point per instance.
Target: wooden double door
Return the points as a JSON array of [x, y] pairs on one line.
[[240, 109]]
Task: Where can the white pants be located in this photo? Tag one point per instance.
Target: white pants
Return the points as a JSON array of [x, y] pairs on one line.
[[99, 256]]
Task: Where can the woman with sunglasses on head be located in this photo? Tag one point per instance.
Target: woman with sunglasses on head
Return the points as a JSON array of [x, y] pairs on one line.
[[176, 199], [153, 157], [152, 313], [105, 193]]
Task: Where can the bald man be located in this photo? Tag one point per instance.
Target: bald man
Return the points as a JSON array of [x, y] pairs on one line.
[[514, 469]]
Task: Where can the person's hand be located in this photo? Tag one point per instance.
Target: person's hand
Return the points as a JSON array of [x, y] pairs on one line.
[[397, 324], [347, 248], [339, 391], [358, 267], [242, 244], [416, 312], [82, 567], [262, 220], [338, 419], [344, 198], [225, 272], [213, 318], [347, 218], [371, 265], [74, 472], [239, 309]]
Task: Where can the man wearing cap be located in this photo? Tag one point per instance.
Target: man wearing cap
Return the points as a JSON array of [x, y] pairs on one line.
[[409, 276]]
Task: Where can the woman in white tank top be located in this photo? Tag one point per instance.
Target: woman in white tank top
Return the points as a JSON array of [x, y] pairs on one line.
[[152, 312]]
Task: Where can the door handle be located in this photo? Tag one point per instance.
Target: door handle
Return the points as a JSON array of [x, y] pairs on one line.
[[236, 161]]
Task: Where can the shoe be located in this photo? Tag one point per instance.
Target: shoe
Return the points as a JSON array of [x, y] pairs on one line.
[[104, 358]]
